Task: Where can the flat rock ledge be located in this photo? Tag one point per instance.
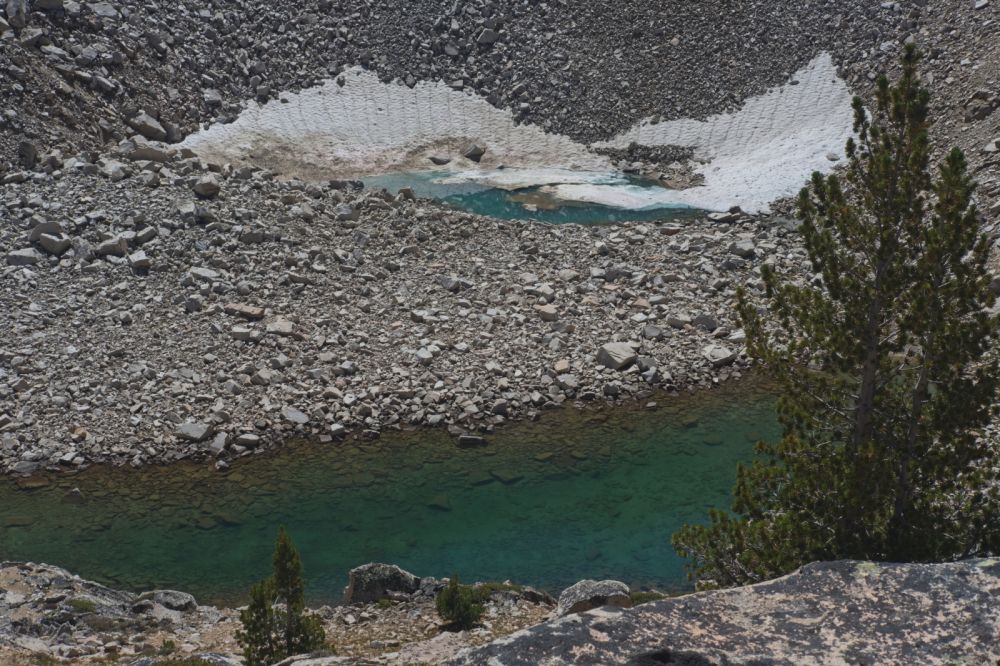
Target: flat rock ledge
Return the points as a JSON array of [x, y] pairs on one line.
[[827, 613]]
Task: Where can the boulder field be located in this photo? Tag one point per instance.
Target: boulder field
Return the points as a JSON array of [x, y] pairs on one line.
[[151, 320]]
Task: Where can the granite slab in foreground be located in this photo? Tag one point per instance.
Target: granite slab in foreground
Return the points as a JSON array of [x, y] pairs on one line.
[[827, 613]]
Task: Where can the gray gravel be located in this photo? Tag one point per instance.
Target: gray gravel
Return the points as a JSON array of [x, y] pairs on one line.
[[175, 326]]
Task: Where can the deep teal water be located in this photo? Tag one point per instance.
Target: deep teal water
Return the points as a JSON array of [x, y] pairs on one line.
[[511, 205], [571, 496]]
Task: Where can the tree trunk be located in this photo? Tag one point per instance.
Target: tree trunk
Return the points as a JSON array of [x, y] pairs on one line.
[[904, 484], [919, 397], [863, 418]]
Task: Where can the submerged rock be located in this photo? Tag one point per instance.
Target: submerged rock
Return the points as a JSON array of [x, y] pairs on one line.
[[471, 441]]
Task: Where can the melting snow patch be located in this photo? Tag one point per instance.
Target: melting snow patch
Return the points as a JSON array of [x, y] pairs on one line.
[[762, 152], [516, 179], [366, 126]]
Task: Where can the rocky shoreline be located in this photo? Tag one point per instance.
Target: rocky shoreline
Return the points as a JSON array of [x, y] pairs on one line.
[[824, 613], [388, 617], [160, 308]]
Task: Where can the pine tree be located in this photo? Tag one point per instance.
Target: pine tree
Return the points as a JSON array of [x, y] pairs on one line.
[[887, 365], [275, 624], [260, 643]]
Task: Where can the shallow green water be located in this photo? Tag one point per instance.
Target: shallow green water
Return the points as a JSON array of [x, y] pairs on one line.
[[523, 204], [574, 495]]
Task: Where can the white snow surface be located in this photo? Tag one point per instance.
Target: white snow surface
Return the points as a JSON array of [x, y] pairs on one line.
[[367, 127], [516, 179], [762, 152], [765, 151]]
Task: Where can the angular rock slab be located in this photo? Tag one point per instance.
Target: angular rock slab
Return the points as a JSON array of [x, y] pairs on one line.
[[55, 244], [193, 432], [718, 355], [171, 599], [207, 186], [25, 257], [824, 613], [617, 355], [17, 13], [296, 416], [147, 126]]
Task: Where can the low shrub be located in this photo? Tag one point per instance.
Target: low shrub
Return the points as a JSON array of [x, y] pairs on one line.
[[83, 605], [458, 605], [483, 591]]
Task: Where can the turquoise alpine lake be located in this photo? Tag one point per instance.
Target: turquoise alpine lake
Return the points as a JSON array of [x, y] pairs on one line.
[[576, 494], [526, 203]]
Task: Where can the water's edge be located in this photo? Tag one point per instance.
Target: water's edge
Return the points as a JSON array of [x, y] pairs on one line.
[[521, 194], [592, 493]]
